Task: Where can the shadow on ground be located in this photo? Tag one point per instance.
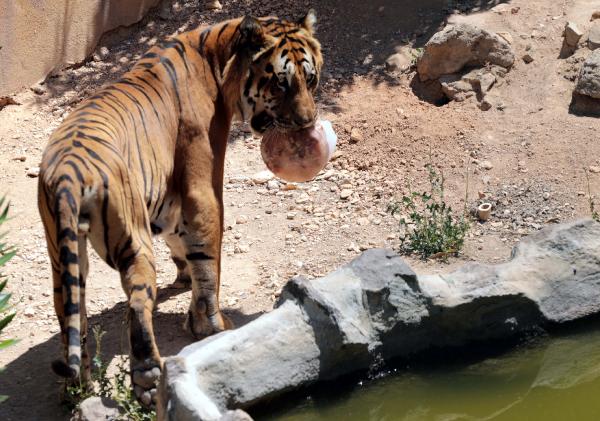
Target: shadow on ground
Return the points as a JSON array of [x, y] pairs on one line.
[[33, 367], [357, 36]]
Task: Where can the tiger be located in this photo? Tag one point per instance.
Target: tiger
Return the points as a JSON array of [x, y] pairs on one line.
[[144, 156]]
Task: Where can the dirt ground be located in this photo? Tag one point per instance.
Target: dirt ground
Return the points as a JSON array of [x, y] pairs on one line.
[[537, 152]]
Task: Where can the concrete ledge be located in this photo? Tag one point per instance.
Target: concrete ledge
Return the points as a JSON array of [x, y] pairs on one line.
[[376, 308]]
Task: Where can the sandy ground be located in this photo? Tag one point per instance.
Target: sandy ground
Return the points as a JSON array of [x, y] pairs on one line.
[[537, 151]]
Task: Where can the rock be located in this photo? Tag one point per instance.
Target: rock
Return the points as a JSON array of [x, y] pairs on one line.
[[242, 219], [595, 15], [345, 194], [456, 46], [400, 61], [33, 172], [213, 5], [572, 34], [355, 135], [527, 58], [375, 309], [237, 415], [588, 83], [485, 105], [38, 88], [273, 185], [486, 165], [241, 248], [594, 36], [456, 90], [98, 409], [262, 177], [594, 169], [475, 82]]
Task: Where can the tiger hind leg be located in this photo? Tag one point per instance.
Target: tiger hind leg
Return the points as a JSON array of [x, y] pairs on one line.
[[139, 281], [130, 252]]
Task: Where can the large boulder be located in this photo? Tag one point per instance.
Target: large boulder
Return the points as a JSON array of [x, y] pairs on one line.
[[375, 309], [462, 45], [588, 83]]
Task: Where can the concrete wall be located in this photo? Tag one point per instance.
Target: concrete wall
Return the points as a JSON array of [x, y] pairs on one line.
[[39, 36]]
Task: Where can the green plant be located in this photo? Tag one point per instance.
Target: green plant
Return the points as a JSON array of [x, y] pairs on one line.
[[593, 211], [432, 228], [131, 409], [6, 253], [416, 54], [118, 387]]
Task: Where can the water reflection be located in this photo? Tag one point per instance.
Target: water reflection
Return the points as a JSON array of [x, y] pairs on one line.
[[551, 379]]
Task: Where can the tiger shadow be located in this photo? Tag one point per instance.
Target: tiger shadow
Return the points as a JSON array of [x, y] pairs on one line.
[[29, 377]]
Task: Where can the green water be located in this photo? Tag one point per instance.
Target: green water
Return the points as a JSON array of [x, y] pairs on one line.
[[556, 378]]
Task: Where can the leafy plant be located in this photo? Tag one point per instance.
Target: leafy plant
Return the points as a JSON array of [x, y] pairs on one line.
[[6, 253], [593, 211], [432, 228], [118, 387]]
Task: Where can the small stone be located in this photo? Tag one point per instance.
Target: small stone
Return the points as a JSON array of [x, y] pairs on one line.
[[485, 105], [237, 236], [546, 195], [291, 215], [33, 172], [572, 34], [29, 312], [595, 15], [355, 135], [38, 88], [262, 177], [304, 198], [345, 194], [486, 165], [242, 219], [21, 158], [213, 5], [241, 248], [528, 58], [400, 61], [594, 169], [273, 185]]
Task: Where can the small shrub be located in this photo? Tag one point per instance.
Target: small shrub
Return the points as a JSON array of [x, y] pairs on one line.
[[6, 253], [433, 230], [118, 387]]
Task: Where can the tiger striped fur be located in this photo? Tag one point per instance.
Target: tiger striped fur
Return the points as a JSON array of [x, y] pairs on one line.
[[145, 156]]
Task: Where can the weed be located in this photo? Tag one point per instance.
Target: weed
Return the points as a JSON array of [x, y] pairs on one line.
[[593, 211], [432, 229], [6, 253], [118, 387]]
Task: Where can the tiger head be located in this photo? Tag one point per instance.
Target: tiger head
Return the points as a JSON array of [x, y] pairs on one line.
[[283, 73]]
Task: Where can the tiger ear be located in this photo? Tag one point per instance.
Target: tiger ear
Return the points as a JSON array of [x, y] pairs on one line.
[[309, 21], [252, 36]]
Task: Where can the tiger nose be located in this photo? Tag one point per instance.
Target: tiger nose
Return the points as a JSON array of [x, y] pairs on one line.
[[304, 120]]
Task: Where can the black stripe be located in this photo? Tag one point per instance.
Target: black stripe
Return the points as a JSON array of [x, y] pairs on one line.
[[198, 256], [67, 232], [67, 257], [73, 336], [78, 173]]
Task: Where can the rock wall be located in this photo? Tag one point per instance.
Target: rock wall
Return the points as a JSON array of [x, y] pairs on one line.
[[376, 308], [39, 36]]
